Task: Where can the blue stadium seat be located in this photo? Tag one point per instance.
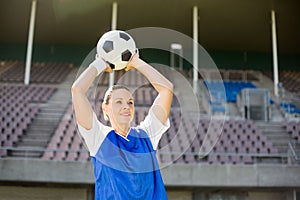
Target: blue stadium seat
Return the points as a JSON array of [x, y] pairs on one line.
[[226, 90]]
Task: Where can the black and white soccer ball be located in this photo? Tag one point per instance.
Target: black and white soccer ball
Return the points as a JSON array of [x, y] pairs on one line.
[[116, 48]]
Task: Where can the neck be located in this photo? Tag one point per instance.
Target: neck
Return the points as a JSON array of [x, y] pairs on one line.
[[122, 129]]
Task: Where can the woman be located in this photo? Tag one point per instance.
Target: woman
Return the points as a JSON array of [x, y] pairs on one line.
[[125, 165]]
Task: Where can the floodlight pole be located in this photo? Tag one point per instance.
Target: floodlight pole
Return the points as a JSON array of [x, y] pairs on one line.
[[30, 42], [195, 49], [275, 57], [113, 27]]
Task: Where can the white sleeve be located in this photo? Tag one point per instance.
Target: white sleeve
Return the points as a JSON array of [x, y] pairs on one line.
[[94, 137], [154, 128]]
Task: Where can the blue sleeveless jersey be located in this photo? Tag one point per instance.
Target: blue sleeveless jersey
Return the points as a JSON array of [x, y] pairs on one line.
[[127, 168]]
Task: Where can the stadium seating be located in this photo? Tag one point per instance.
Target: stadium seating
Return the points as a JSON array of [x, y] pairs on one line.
[[186, 141], [66, 143], [289, 78], [41, 72], [289, 91], [289, 107], [131, 78], [226, 74], [6, 65], [222, 92], [293, 128], [226, 90], [19, 105], [239, 141]]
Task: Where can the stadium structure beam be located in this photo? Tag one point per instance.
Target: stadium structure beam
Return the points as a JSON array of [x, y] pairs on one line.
[[275, 57], [113, 27], [30, 42], [195, 49]]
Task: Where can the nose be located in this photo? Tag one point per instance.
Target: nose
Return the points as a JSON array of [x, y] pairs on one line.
[[126, 106]]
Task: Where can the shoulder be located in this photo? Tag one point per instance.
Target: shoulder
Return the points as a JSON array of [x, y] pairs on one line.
[[95, 136], [152, 125], [138, 130]]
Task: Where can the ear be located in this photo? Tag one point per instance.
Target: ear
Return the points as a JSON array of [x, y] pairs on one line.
[[104, 110]]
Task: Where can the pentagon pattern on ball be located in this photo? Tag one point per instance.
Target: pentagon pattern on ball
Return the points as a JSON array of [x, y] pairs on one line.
[[108, 46], [112, 66], [124, 36], [116, 48], [126, 55]]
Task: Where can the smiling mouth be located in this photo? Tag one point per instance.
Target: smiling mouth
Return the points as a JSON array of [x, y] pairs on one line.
[[126, 114]]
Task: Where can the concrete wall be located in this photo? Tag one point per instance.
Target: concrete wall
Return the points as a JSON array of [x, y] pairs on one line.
[[186, 182], [271, 195], [180, 195], [252, 176], [70, 193], [42, 193]]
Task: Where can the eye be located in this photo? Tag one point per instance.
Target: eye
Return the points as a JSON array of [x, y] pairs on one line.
[[130, 102], [118, 102]]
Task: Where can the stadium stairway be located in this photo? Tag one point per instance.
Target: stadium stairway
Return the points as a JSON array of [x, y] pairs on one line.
[[276, 134], [40, 131]]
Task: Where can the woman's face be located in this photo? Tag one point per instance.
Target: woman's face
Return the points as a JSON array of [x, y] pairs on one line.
[[120, 109]]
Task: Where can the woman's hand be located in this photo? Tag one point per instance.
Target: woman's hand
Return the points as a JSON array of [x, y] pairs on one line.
[[108, 68], [133, 61]]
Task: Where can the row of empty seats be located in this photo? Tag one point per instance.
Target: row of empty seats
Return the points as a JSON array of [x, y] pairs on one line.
[[134, 79], [19, 105], [143, 96], [293, 128], [6, 65], [289, 81], [226, 74], [130, 78], [290, 107], [19, 93], [232, 141], [221, 92], [289, 78], [226, 90], [41, 72]]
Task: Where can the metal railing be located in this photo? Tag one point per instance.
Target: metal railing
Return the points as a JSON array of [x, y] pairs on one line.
[[293, 146]]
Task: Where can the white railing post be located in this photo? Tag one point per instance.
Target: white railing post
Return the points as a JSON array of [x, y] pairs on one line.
[[29, 43], [275, 57], [113, 27], [195, 49]]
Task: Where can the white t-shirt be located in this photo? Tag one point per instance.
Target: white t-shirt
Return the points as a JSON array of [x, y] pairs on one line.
[[95, 136]]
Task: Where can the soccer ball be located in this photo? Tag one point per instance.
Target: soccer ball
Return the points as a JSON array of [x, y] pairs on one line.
[[116, 48]]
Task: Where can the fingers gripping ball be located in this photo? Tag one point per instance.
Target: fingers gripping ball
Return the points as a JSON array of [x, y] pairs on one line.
[[116, 48]]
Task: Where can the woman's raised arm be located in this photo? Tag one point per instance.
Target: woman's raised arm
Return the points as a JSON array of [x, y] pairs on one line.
[[162, 104], [81, 104]]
